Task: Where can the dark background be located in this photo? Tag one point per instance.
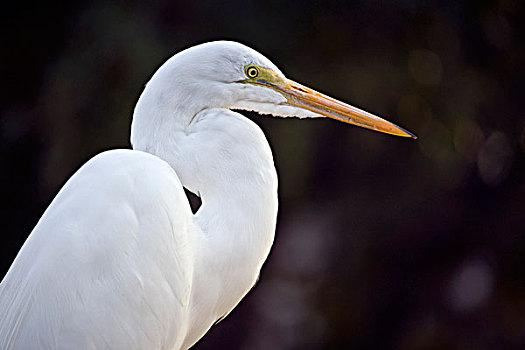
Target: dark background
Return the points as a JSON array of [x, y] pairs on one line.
[[382, 242]]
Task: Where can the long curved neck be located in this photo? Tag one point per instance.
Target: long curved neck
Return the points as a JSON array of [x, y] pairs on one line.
[[218, 154], [225, 158], [235, 176]]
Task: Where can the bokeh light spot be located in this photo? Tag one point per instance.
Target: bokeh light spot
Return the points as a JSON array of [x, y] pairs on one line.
[[495, 159], [425, 67], [471, 286], [468, 138]]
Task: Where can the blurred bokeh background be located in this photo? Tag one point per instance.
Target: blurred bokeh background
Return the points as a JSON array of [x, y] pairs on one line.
[[382, 242]]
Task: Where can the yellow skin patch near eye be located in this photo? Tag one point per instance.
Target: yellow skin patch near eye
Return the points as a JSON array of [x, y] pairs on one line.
[[261, 73]]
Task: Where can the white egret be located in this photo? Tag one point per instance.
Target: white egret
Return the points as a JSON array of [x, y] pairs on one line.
[[118, 260]]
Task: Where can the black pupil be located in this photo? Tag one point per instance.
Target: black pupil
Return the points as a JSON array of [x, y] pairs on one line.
[[252, 72]]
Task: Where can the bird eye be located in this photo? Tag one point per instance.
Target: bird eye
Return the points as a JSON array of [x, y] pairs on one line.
[[252, 72]]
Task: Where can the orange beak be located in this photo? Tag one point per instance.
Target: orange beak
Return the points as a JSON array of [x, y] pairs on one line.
[[300, 96]]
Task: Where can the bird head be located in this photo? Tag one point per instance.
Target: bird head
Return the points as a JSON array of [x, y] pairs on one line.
[[224, 74]]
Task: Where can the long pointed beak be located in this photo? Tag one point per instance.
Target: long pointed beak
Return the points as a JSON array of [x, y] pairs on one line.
[[306, 98]]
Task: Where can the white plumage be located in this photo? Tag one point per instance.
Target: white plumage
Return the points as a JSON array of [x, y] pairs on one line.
[[118, 260]]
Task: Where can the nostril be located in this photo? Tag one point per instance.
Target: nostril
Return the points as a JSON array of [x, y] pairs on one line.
[[300, 89]]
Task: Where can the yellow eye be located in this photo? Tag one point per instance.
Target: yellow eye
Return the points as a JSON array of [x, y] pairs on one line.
[[252, 72]]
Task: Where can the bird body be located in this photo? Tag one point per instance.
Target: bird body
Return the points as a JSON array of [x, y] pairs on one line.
[[90, 237], [124, 217], [118, 260]]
